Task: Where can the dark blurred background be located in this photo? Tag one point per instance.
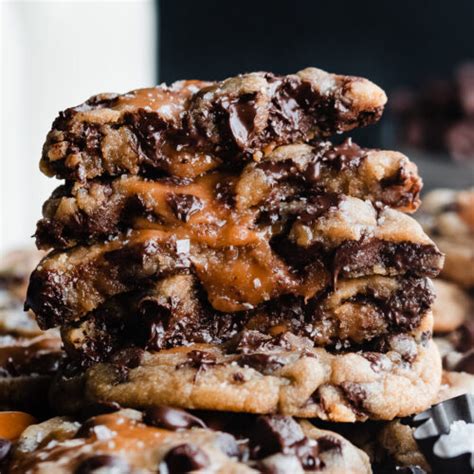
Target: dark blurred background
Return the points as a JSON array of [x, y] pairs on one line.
[[392, 42], [395, 44]]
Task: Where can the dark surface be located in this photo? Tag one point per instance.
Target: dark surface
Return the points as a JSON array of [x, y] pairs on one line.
[[392, 43]]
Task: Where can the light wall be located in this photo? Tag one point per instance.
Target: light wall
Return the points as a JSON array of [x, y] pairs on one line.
[[55, 54]]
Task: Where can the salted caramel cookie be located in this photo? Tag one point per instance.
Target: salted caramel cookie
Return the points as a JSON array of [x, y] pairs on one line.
[[451, 307], [192, 126], [264, 192], [289, 379], [26, 369], [173, 312], [448, 216], [329, 240], [168, 440]]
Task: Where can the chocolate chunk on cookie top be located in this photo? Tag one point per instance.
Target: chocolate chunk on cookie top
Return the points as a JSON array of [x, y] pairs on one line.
[[192, 126]]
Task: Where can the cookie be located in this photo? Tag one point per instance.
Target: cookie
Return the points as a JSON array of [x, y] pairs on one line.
[[194, 126], [173, 312], [289, 379], [26, 369], [451, 307], [448, 216], [175, 441], [270, 189], [15, 269], [343, 239]]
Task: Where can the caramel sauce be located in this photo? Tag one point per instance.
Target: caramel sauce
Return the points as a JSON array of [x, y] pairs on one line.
[[169, 101], [13, 423], [112, 434], [215, 224]]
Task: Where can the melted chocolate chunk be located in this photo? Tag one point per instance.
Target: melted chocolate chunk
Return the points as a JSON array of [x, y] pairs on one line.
[[103, 461], [465, 336], [356, 396], [184, 205], [171, 418], [374, 358], [98, 408], [185, 458], [328, 443], [129, 358], [282, 434], [344, 156], [273, 434], [466, 363], [357, 256], [198, 360], [264, 363]]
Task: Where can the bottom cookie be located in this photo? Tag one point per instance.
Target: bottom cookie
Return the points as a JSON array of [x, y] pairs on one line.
[[174, 441], [27, 366], [290, 379]]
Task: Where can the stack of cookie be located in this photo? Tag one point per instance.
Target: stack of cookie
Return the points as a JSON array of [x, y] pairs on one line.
[[29, 357], [213, 250]]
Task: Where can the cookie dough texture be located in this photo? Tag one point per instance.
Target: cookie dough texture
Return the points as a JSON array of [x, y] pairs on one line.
[[314, 383]]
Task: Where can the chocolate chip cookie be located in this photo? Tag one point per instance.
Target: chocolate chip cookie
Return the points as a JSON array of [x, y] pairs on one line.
[[174, 441], [448, 216], [192, 127], [289, 379]]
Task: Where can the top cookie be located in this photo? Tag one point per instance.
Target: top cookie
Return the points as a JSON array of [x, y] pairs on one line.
[[192, 126]]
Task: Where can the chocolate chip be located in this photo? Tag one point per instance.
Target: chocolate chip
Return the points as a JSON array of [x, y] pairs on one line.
[[99, 408], [129, 358], [466, 363], [101, 461], [374, 358], [184, 205], [356, 396], [466, 336], [171, 418], [5, 447], [265, 363], [272, 434], [198, 360], [238, 377], [185, 458], [307, 451], [328, 443]]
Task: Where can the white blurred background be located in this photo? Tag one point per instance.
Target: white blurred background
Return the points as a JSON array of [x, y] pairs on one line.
[[56, 54]]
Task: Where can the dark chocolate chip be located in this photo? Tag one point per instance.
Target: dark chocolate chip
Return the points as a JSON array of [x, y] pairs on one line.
[[466, 363], [307, 451], [171, 418], [328, 443], [184, 205], [129, 358], [5, 447], [272, 434], [92, 464], [466, 336], [99, 408], [198, 360], [238, 377], [265, 363], [356, 396], [185, 458]]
